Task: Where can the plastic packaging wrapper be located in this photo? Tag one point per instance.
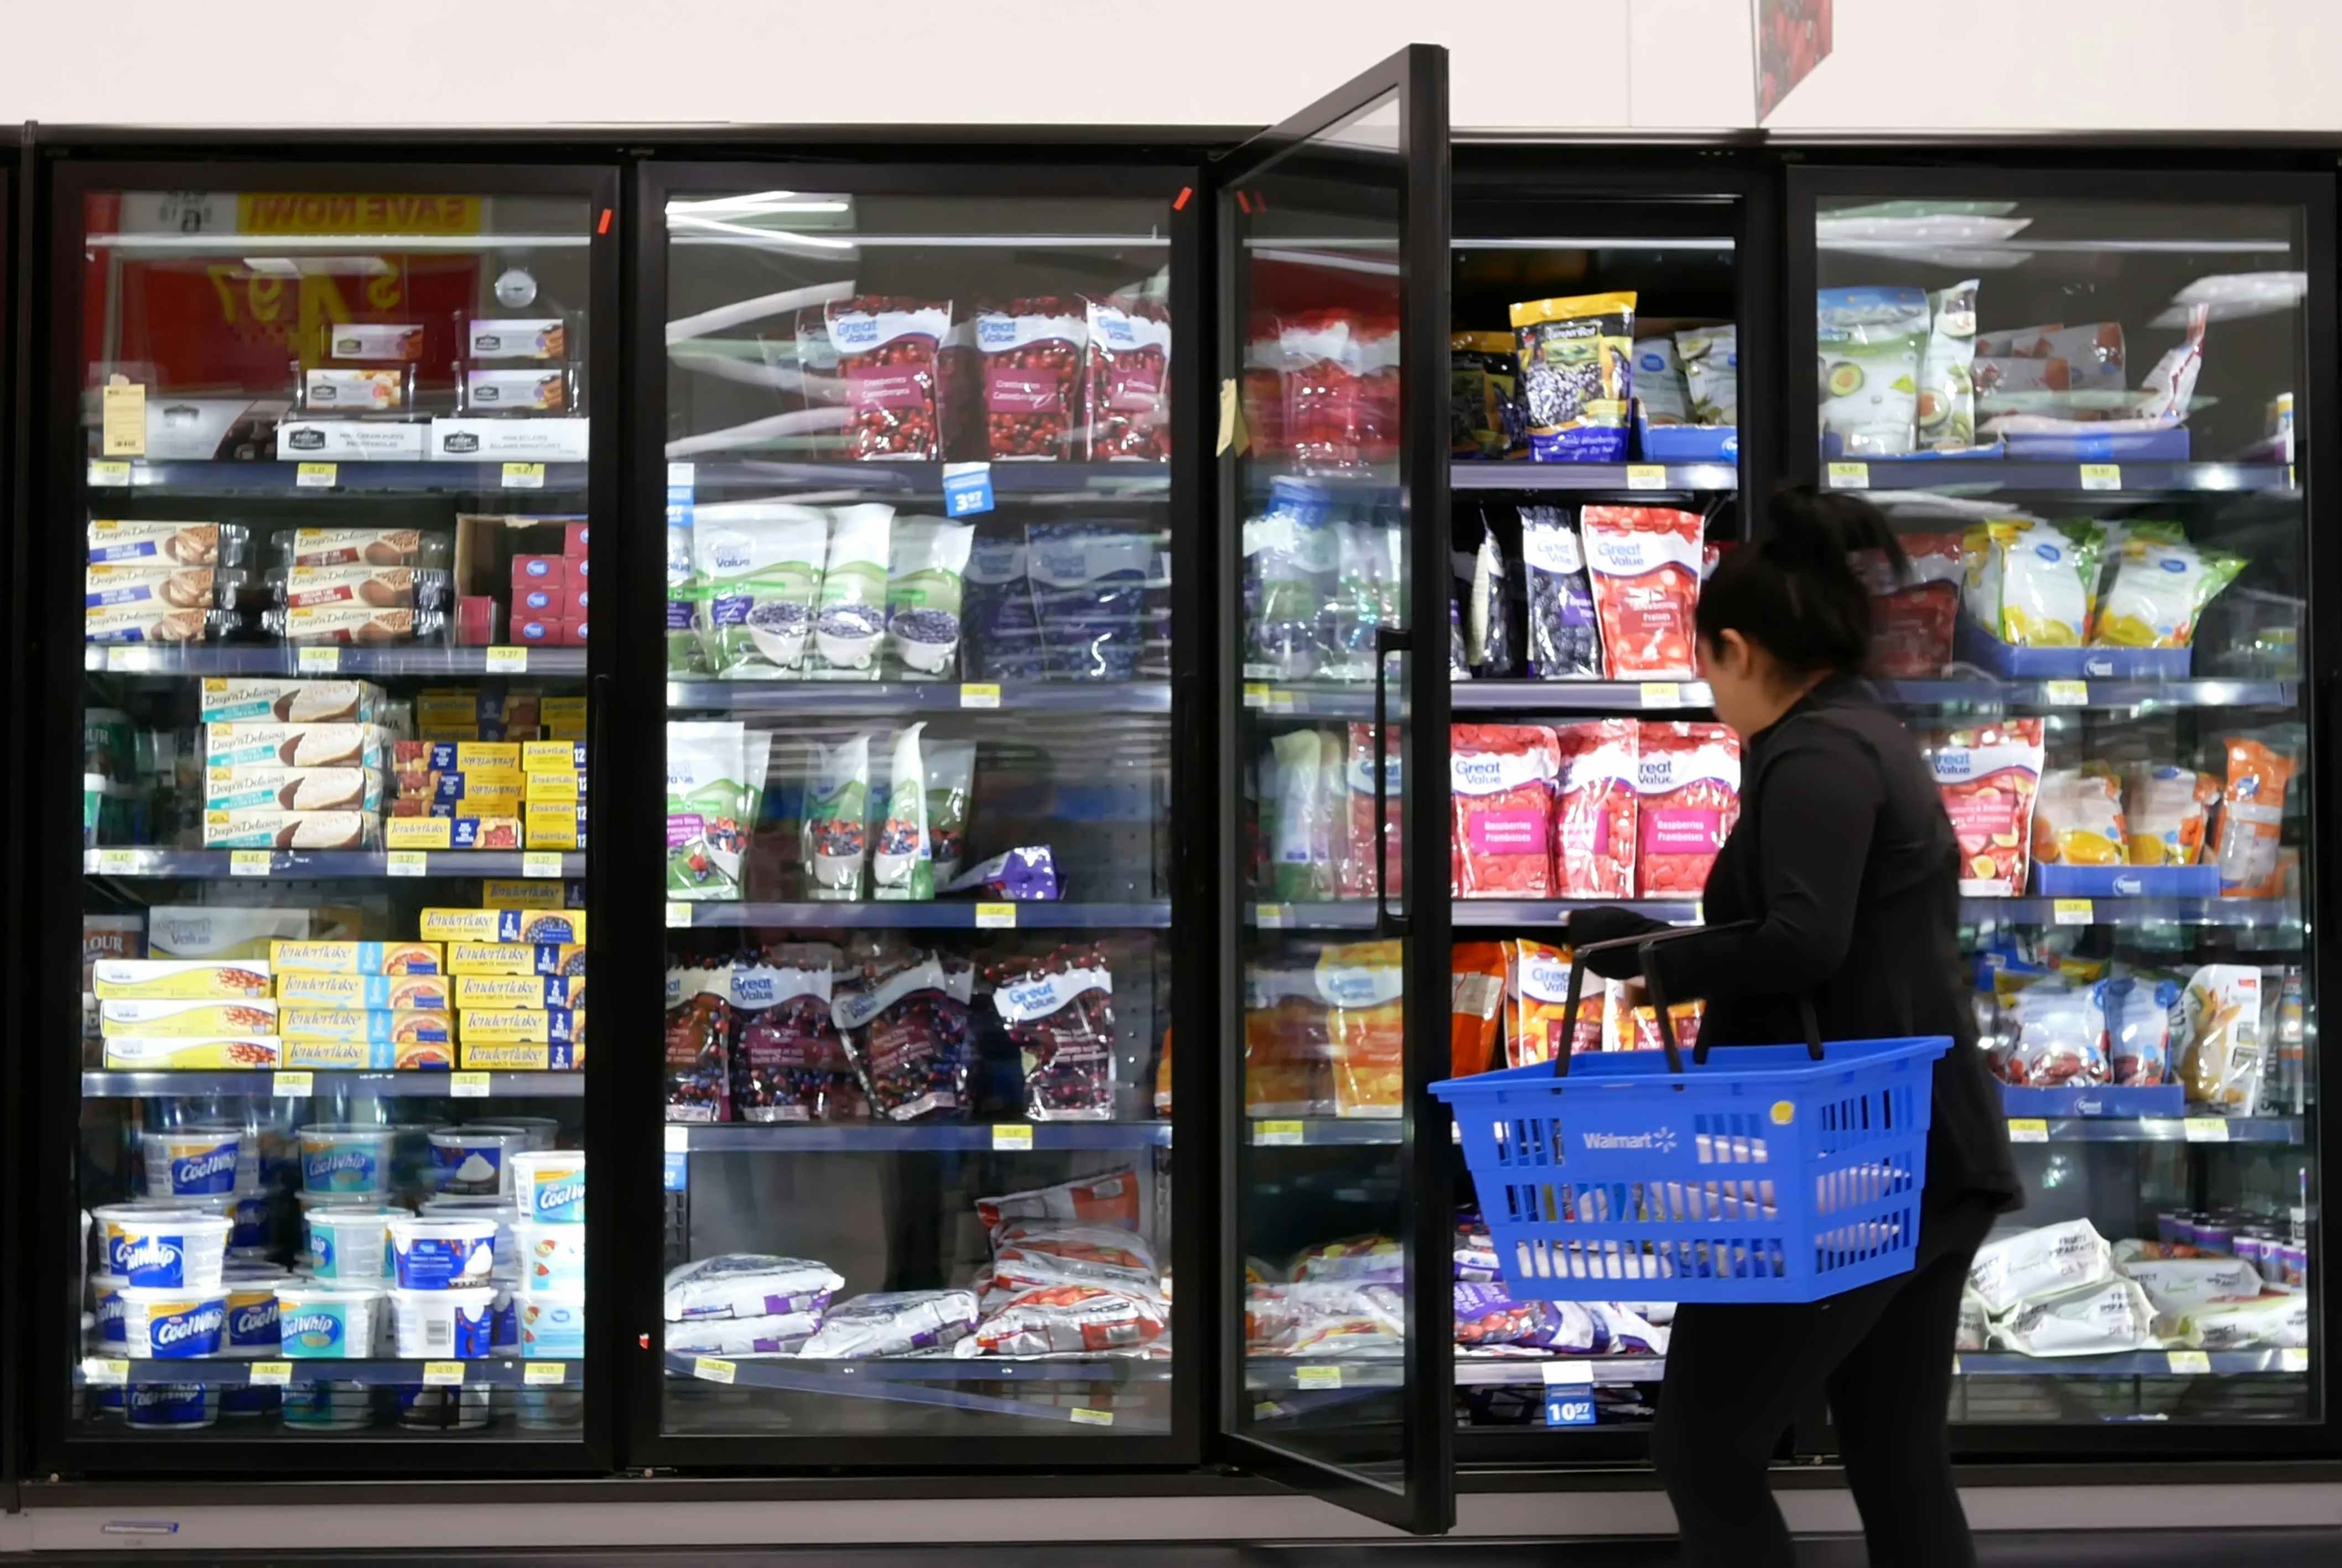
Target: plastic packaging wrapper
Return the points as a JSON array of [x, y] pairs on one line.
[[1298, 813], [951, 780], [901, 862], [894, 1323], [908, 1032], [2185, 1284], [2055, 1036], [849, 615], [2225, 1055], [1108, 1199], [1363, 984], [1358, 864], [1501, 780], [1870, 342], [1129, 357], [1288, 1053], [1565, 629], [1687, 782], [1323, 1319], [1001, 635], [1576, 375], [1029, 1255], [748, 1286], [1033, 377], [715, 774], [926, 574], [1976, 1323], [2252, 820], [1487, 620], [755, 572], [1089, 592], [1644, 572], [2077, 819], [1477, 1000], [788, 1063], [1947, 407], [1060, 1017], [1627, 1332], [2139, 1010], [784, 1334], [2112, 1315], [1072, 1318], [698, 1027], [888, 348], [1483, 376], [1020, 874], [1989, 777], [1595, 815], [1913, 618], [2166, 810], [1354, 1260], [1476, 1250], [2160, 586], [2280, 1321], [2039, 1262], [1540, 1002], [833, 842], [1291, 552], [2033, 584], [1660, 396]]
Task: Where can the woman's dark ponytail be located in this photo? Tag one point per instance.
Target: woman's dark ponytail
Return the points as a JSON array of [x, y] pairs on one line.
[[1796, 592]]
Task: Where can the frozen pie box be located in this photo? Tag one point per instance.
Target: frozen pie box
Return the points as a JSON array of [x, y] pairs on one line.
[[153, 621], [371, 1025], [230, 699], [533, 926], [294, 789], [523, 1056], [452, 833], [515, 391], [392, 340], [547, 958], [362, 547], [272, 827], [378, 588], [519, 991], [324, 745], [534, 1025], [117, 542], [371, 1056], [147, 1053], [354, 958], [352, 623], [533, 337], [343, 389], [180, 979], [181, 1017], [364, 990]]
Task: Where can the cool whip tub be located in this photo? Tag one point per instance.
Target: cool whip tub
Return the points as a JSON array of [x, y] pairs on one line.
[[318, 1319], [344, 1157], [552, 1257], [193, 1161], [249, 1214], [175, 1405], [553, 1324], [327, 1406], [348, 1246], [501, 1210], [550, 1185], [252, 1317], [444, 1324], [175, 1249], [439, 1254], [473, 1160], [105, 1309], [164, 1324], [504, 1314]]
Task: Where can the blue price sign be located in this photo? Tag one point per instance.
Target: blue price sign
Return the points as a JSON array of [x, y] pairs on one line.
[[1568, 1407], [967, 488]]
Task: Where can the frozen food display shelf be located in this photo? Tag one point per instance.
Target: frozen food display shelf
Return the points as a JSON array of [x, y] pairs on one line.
[[2207, 1129], [1986, 475], [299, 865], [199, 659], [222, 477], [937, 1381], [2210, 693], [2207, 911], [1036, 482], [1661, 698], [163, 1086], [2135, 1364], [1305, 1372], [927, 915], [913, 1137], [1636, 480], [854, 699], [227, 1371]]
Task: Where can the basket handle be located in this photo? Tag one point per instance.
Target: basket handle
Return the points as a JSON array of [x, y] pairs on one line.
[[1652, 984]]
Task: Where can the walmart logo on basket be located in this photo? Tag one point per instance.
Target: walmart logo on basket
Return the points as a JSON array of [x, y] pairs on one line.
[[1658, 1141]]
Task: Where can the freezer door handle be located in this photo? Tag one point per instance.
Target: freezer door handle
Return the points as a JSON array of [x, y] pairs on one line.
[[1388, 641]]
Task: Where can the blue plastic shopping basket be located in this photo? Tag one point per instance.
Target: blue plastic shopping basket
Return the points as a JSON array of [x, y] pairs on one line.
[[1791, 1175]]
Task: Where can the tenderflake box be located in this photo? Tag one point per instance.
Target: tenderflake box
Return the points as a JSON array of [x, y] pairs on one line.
[[364, 990], [515, 958], [522, 1056], [540, 1026], [487, 992], [356, 957], [521, 926]]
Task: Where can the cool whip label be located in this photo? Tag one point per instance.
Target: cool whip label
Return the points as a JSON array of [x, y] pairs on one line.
[[181, 1329], [1024, 1001], [252, 1322], [320, 1329], [1496, 773], [558, 1194], [205, 1170]]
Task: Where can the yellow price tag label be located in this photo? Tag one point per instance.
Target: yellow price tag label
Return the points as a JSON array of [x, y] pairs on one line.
[[996, 917], [1957, 1368], [979, 694], [293, 1086], [2206, 1130], [270, 1374], [713, 1369], [1849, 476], [116, 861], [524, 476], [677, 913], [1273, 916], [1317, 1377], [250, 862], [321, 660], [407, 863], [109, 473], [537, 1374], [2066, 693], [1662, 694], [1646, 476], [506, 661], [2027, 1129], [122, 418], [443, 1374], [1012, 1135], [104, 1370], [467, 1085], [540, 863], [2101, 476], [2188, 1362], [1232, 436], [129, 660], [2070, 912], [1256, 693], [1083, 1417], [2294, 1358], [1279, 1132], [316, 475]]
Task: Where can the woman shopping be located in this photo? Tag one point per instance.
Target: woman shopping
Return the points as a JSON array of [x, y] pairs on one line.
[[1845, 869]]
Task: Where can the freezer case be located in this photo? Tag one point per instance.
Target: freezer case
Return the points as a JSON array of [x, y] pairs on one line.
[[312, 1173], [928, 816], [2076, 398]]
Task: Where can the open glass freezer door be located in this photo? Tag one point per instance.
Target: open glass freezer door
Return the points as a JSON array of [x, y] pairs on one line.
[[2077, 397], [1332, 443]]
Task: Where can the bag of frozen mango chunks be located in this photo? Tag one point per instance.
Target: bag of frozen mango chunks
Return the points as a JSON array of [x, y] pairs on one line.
[[1365, 987], [2033, 584], [1988, 776]]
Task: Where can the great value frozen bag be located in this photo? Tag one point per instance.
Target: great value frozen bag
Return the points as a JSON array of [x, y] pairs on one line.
[[1538, 982], [1645, 567], [1298, 818], [837, 808], [1323, 1319], [788, 1063], [2222, 1062], [1089, 594], [850, 610], [2039, 1262], [756, 572], [1476, 1003], [698, 1034], [1288, 1053], [1500, 780], [1059, 1013], [1687, 788], [1002, 636], [1946, 388], [887, 349], [2160, 587], [1595, 815], [1564, 630], [902, 864], [894, 1323], [925, 578], [951, 779], [709, 806], [2033, 584], [778, 1334], [1067, 1318], [1912, 618], [2059, 1035], [1659, 390], [1109, 1198], [1363, 984], [748, 1286], [2113, 1314], [907, 1029], [2166, 810], [1870, 342], [2139, 1010], [2077, 818], [1711, 367], [2252, 820], [1576, 375], [1989, 777]]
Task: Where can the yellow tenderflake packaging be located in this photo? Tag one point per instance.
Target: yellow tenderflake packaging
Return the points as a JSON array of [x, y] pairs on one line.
[[562, 788], [511, 991], [522, 892], [451, 833], [373, 1026], [371, 1056], [552, 757], [177, 979], [364, 990], [523, 926], [563, 718], [181, 1019], [354, 957], [515, 958], [522, 1056], [539, 1025], [554, 825], [147, 1053]]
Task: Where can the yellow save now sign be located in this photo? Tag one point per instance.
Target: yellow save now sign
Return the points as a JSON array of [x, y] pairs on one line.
[[355, 212]]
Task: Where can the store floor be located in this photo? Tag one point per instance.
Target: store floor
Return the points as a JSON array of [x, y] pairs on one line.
[[2132, 1549]]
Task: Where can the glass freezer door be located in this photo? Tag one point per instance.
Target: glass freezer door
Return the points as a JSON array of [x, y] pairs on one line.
[[2076, 396], [319, 487], [1333, 1238]]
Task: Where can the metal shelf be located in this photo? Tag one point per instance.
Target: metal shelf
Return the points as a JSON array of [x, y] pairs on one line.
[[1040, 481], [936, 914], [2186, 694], [1269, 1132], [2134, 1364], [2171, 1130], [277, 659], [110, 1084], [270, 477], [920, 1137], [293, 865], [1553, 912], [2128, 479], [1638, 480], [853, 699], [230, 1372], [928, 1381], [1485, 911]]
